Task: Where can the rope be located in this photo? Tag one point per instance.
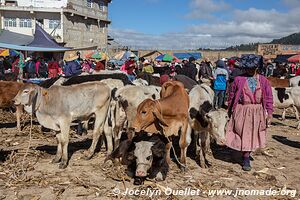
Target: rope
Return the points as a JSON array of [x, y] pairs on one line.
[[22, 176], [176, 158]]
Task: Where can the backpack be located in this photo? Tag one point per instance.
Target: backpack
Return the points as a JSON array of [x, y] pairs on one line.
[[220, 82]]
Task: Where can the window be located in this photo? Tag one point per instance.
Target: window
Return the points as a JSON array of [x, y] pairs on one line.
[[101, 5], [10, 22], [54, 24], [89, 3], [26, 23]]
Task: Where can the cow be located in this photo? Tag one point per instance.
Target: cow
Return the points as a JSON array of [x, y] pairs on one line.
[[56, 107], [97, 77], [278, 83], [8, 90], [167, 115], [127, 100], [295, 81], [282, 99], [205, 121], [145, 156]]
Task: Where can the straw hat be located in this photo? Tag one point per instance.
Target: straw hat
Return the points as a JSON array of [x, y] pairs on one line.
[[132, 55], [28, 59], [71, 56], [146, 62]]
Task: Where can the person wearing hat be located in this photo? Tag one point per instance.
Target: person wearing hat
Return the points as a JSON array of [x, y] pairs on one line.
[[220, 83], [147, 68], [130, 66], [30, 68], [72, 67], [189, 69], [250, 104], [205, 72]]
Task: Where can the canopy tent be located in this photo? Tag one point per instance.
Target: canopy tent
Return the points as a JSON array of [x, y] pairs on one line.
[[8, 52], [9, 37], [294, 59], [187, 55], [43, 39], [28, 48], [166, 58], [151, 55], [283, 58], [124, 55]]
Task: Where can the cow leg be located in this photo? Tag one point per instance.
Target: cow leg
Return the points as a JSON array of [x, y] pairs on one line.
[[168, 155], [98, 130], [59, 149], [19, 110], [183, 146], [65, 129], [296, 112], [108, 136], [203, 141], [283, 114]]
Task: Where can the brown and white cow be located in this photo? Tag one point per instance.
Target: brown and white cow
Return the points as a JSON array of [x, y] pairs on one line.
[[8, 90], [168, 115]]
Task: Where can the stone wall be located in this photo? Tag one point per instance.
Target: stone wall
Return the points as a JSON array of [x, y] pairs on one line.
[[212, 55]]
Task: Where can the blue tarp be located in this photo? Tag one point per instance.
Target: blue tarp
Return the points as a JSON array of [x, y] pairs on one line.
[[160, 57], [283, 58], [27, 48], [43, 39], [181, 56]]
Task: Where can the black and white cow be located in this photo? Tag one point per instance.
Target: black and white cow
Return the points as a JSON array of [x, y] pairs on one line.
[[144, 156]]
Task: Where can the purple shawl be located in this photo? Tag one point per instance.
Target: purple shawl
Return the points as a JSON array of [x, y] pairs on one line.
[[236, 91]]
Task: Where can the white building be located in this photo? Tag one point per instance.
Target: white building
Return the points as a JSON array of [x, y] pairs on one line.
[[74, 23]]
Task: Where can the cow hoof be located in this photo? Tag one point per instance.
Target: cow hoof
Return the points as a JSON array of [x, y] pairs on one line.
[[56, 160], [88, 155], [62, 165], [159, 177]]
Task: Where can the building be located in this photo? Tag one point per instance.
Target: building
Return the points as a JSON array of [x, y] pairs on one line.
[[271, 51], [72, 23]]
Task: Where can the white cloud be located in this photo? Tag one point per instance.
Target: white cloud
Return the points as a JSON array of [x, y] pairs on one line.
[[291, 3], [244, 26], [203, 9]]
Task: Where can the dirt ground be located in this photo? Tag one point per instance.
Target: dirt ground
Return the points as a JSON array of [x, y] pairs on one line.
[[31, 175]]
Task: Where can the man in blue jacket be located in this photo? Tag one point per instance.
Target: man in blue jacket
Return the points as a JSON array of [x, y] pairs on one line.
[[220, 76]]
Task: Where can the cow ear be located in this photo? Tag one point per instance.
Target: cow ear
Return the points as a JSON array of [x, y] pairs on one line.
[[158, 116], [32, 94]]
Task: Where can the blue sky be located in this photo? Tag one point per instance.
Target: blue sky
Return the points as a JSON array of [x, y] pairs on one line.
[[188, 24]]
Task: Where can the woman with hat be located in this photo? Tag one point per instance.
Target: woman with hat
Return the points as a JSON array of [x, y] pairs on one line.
[[147, 68], [72, 67], [250, 109], [130, 66]]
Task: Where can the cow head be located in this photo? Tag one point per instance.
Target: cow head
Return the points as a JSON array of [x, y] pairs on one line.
[[26, 95], [144, 158], [217, 120], [147, 114]]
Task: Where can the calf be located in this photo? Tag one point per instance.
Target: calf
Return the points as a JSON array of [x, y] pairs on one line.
[[58, 106], [167, 115], [8, 90], [145, 156], [282, 99], [205, 121]]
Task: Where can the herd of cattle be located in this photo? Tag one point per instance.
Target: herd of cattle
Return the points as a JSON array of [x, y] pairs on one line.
[[150, 116]]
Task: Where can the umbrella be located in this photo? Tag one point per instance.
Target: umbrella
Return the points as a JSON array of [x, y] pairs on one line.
[[295, 58], [166, 58], [4, 52], [99, 56], [124, 55]]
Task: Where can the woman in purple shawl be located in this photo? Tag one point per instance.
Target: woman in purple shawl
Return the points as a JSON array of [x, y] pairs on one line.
[[250, 109]]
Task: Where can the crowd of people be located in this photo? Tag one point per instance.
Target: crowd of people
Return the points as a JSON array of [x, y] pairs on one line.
[[37, 67]]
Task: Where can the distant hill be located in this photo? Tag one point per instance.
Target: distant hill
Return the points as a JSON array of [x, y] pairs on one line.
[[291, 39]]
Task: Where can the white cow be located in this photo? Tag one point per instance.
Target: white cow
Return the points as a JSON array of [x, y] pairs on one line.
[[58, 106]]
